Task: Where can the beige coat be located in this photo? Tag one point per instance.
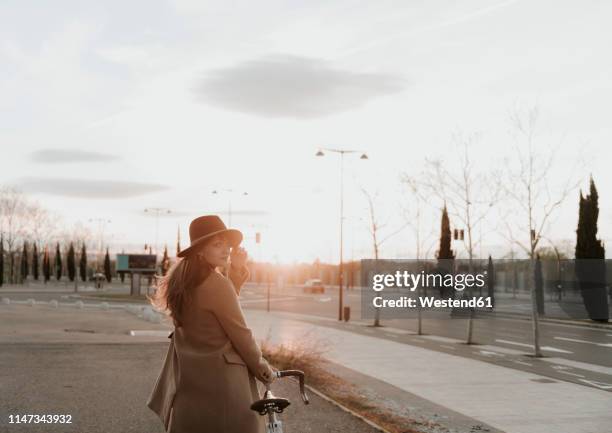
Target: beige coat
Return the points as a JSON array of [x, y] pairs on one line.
[[207, 382]]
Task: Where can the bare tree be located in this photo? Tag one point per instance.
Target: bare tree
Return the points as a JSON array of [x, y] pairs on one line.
[[527, 184], [41, 224], [374, 227], [413, 214], [78, 233], [13, 222], [468, 191]]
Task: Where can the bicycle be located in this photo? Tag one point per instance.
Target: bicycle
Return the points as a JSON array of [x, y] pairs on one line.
[[270, 405]]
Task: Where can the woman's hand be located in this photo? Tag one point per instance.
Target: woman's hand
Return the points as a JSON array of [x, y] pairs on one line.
[[238, 257], [269, 376]]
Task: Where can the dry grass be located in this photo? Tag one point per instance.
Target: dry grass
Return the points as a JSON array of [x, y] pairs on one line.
[[307, 355]]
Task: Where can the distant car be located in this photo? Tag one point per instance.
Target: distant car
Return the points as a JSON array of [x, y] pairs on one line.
[[314, 286], [97, 276], [99, 279]]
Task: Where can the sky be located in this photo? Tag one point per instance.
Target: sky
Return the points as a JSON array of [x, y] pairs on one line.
[[110, 108]]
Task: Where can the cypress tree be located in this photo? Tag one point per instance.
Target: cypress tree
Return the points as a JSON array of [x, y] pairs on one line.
[[58, 262], [83, 263], [24, 261], [445, 252], [107, 267], [445, 255], [35, 262], [46, 265], [165, 263], [71, 263], [590, 257], [1, 261]]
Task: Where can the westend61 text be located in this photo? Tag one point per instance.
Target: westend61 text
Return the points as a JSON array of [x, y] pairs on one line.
[[431, 302]]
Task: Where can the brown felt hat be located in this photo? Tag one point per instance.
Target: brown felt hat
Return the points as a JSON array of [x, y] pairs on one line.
[[205, 227]]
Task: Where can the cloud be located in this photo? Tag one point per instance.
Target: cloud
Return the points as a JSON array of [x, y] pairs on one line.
[[54, 156], [85, 188], [291, 86]]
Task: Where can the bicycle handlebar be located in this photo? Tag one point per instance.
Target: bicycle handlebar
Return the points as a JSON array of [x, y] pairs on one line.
[[296, 373]]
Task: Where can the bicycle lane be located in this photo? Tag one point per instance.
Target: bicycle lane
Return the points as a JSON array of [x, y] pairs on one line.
[[506, 399]]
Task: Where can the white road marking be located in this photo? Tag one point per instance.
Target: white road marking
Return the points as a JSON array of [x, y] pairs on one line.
[[554, 349], [571, 374], [488, 353], [504, 350], [442, 339], [600, 385], [149, 333], [561, 367], [448, 347], [581, 365], [392, 335], [547, 348], [576, 340], [522, 363], [398, 331]]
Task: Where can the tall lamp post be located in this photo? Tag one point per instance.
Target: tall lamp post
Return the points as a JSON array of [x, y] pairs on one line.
[[229, 207], [341, 152], [157, 211]]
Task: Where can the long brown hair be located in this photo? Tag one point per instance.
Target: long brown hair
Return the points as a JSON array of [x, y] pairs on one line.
[[174, 288]]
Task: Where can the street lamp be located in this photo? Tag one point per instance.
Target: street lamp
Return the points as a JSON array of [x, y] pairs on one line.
[[363, 156], [157, 211], [229, 210]]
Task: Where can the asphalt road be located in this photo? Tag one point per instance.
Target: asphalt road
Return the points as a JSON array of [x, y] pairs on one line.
[[104, 388], [572, 353]]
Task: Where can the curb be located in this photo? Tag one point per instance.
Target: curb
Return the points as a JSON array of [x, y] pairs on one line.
[[103, 299], [346, 409]]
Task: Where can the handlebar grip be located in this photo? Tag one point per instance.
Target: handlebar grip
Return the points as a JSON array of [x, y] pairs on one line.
[[300, 375]]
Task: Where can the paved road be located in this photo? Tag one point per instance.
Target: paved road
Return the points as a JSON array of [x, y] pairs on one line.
[[573, 353], [84, 363], [104, 387]]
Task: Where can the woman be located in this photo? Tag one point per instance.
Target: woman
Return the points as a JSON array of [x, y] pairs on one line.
[[207, 383]]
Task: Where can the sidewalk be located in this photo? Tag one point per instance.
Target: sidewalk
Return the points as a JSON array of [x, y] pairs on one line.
[[505, 398]]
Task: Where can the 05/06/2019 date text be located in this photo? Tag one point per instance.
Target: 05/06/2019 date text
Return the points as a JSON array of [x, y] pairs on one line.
[[40, 419], [431, 302]]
